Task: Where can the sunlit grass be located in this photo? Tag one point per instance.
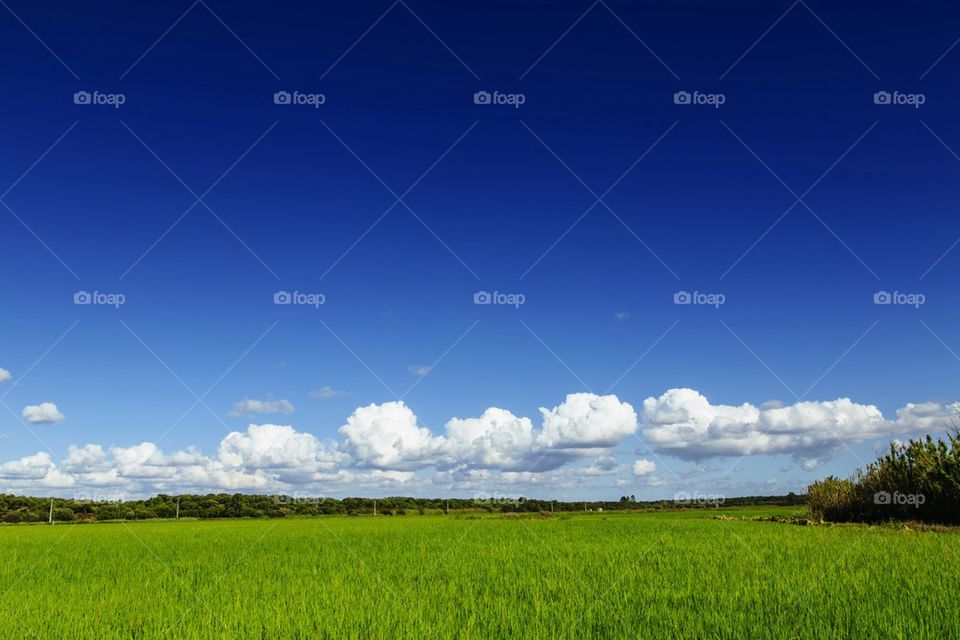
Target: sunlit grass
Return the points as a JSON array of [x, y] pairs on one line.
[[670, 574]]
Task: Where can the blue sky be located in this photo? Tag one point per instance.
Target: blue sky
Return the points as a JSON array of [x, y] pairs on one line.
[[399, 198]]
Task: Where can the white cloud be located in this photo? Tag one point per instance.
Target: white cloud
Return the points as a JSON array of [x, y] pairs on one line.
[[496, 440], [252, 407], [32, 467], [586, 421], [43, 413], [387, 436], [277, 447], [926, 417], [622, 315], [383, 447], [85, 457], [327, 392], [643, 467], [4, 375], [682, 422], [419, 369]]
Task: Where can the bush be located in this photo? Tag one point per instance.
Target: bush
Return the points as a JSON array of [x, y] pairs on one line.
[[832, 499], [919, 480], [61, 514]]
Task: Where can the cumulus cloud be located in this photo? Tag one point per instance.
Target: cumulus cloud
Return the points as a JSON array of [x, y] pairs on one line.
[[32, 467], [264, 457], [43, 413], [926, 417], [682, 422], [383, 447], [496, 440], [289, 455], [35, 471], [4, 375], [252, 407], [587, 421], [387, 436], [643, 467]]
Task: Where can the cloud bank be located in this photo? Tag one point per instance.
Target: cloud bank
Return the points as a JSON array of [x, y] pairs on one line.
[[684, 424], [384, 446]]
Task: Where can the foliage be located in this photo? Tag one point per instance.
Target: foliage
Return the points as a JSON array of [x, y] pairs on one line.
[[919, 480], [20, 509], [831, 499]]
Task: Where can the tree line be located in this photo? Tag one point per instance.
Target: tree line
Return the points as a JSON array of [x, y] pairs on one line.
[[23, 509]]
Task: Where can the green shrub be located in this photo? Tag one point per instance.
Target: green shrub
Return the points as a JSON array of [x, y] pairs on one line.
[[832, 499], [919, 480]]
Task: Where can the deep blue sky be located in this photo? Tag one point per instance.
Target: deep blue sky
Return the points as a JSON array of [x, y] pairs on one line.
[[799, 99]]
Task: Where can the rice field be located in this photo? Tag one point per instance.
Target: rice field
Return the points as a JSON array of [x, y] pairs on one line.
[[645, 575]]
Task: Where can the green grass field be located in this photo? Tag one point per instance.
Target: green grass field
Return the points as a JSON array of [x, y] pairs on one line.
[[647, 575]]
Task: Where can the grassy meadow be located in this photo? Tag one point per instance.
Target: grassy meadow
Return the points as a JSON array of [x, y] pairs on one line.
[[676, 574]]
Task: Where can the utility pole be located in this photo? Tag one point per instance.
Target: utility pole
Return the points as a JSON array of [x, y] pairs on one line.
[[447, 510], [374, 507], [51, 511], [178, 507]]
